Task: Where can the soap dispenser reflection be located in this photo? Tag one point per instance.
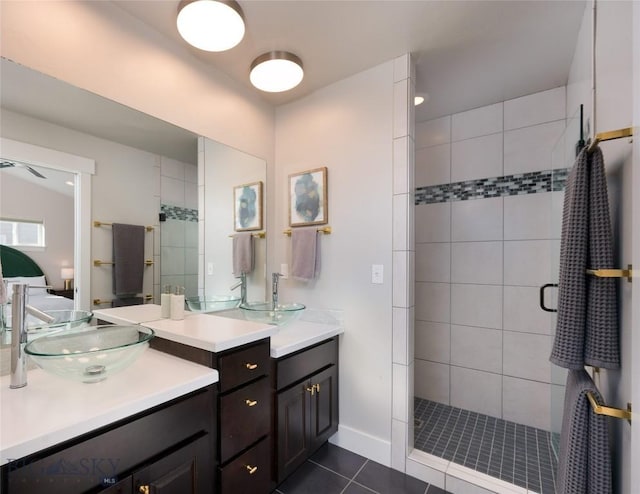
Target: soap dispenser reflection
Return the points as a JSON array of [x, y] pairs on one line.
[[177, 304]]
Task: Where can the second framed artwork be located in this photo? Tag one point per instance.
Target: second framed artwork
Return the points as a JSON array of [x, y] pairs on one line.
[[308, 198], [247, 207]]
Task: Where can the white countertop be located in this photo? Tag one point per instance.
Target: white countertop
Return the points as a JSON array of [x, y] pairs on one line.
[[50, 410], [217, 333], [131, 314], [211, 332]]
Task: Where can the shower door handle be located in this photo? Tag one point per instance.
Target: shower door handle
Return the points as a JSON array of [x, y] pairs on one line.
[[542, 289]]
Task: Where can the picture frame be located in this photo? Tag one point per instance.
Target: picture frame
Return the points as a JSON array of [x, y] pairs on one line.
[[247, 207], [308, 203]]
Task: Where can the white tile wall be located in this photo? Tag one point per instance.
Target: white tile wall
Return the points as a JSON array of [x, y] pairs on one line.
[[433, 132], [433, 222], [476, 305], [533, 109], [191, 174], [172, 191], [475, 220], [476, 348], [172, 168], [433, 341], [190, 195], [479, 157], [173, 233], [433, 165], [401, 154], [478, 122], [476, 262], [526, 355], [432, 381], [527, 262], [433, 262], [526, 402], [529, 149], [522, 310], [172, 261], [402, 203], [528, 217], [476, 390], [433, 302]]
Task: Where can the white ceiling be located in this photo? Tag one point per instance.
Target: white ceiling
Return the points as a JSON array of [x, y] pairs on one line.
[[469, 53]]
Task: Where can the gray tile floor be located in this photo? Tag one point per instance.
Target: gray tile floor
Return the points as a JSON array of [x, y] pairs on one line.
[[333, 470], [516, 453]]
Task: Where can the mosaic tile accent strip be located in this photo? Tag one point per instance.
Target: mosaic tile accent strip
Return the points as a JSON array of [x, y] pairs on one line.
[[515, 453], [178, 213], [484, 188]]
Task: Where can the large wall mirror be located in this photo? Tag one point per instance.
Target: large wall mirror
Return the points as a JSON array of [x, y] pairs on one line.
[[143, 167]]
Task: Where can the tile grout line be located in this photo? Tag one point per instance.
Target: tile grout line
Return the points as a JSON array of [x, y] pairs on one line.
[[352, 479]]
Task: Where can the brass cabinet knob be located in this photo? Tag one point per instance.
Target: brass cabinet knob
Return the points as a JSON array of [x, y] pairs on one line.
[[251, 366], [143, 489], [251, 469], [251, 403], [311, 389]]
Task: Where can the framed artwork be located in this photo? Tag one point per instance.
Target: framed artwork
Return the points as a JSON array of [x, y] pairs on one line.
[[247, 207], [308, 198]]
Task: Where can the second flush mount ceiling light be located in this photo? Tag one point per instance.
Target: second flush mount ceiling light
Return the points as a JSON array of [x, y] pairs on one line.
[[276, 71], [211, 25]]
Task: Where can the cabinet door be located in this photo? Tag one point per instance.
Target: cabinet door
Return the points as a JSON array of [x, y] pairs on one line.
[[323, 419], [249, 473], [185, 471], [292, 439], [122, 487]]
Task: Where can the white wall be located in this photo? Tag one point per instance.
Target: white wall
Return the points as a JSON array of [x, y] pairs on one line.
[[347, 127], [24, 200], [100, 47]]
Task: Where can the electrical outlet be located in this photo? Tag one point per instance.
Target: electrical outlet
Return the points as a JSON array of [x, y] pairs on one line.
[[284, 271], [209, 268], [377, 274]]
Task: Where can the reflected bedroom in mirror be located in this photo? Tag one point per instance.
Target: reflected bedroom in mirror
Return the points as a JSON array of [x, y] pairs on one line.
[[144, 172]]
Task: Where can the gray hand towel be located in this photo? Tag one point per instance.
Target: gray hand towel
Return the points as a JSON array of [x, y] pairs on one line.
[[124, 302], [243, 258], [584, 464], [128, 259], [586, 331], [305, 253]]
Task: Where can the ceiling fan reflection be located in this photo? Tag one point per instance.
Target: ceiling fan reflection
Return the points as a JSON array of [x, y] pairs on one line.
[[15, 164]]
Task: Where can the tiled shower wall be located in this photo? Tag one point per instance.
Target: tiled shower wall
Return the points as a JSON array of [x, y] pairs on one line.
[[488, 214], [179, 233]]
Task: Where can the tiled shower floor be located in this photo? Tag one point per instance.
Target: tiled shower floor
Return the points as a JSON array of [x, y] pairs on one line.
[[515, 453]]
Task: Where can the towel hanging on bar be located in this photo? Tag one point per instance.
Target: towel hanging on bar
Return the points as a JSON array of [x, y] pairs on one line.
[[128, 259], [586, 331]]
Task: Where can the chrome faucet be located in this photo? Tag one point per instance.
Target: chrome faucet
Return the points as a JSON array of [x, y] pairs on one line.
[[19, 309], [243, 287], [274, 290]]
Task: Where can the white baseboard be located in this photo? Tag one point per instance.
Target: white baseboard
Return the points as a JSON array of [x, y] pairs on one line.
[[361, 443]]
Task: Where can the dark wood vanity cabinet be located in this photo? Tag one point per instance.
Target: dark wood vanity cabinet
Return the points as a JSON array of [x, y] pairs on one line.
[[165, 450], [306, 403], [243, 410]]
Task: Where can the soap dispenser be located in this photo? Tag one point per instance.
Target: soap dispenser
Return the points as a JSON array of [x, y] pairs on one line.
[[177, 304], [165, 302]]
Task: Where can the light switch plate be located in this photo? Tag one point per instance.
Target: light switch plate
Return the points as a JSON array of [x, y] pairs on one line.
[[209, 268], [377, 274], [284, 271]]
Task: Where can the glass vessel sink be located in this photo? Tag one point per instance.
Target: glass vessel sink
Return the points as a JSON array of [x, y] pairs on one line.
[[63, 320], [214, 303], [265, 312], [90, 353]]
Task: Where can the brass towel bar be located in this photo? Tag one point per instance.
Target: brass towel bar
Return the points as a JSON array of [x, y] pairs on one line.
[[97, 262], [97, 301], [613, 273], [326, 230], [609, 411], [254, 235], [609, 136], [102, 223]]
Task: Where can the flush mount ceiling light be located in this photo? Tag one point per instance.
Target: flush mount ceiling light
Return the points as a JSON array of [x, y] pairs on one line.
[[211, 25], [276, 71]]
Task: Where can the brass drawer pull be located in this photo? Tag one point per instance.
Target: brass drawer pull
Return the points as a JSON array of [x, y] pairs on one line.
[[251, 469], [251, 403], [317, 386], [312, 389], [251, 366], [144, 489]]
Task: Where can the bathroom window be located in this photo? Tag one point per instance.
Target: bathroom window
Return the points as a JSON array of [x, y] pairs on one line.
[[22, 233]]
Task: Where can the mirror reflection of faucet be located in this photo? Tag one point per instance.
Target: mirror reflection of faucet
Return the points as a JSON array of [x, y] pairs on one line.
[[243, 287], [274, 289]]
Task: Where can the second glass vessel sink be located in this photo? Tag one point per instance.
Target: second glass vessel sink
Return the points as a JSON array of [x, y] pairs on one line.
[[213, 303], [266, 312]]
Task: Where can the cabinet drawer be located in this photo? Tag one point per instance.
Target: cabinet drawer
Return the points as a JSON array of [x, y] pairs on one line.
[[304, 363], [245, 416], [242, 366], [249, 473]]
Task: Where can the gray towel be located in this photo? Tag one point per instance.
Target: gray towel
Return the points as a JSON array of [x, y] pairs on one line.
[[243, 258], [586, 331], [124, 302], [305, 253], [584, 464], [128, 259]]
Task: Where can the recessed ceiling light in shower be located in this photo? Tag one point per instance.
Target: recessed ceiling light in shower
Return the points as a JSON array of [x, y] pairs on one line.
[[211, 25], [276, 71]]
